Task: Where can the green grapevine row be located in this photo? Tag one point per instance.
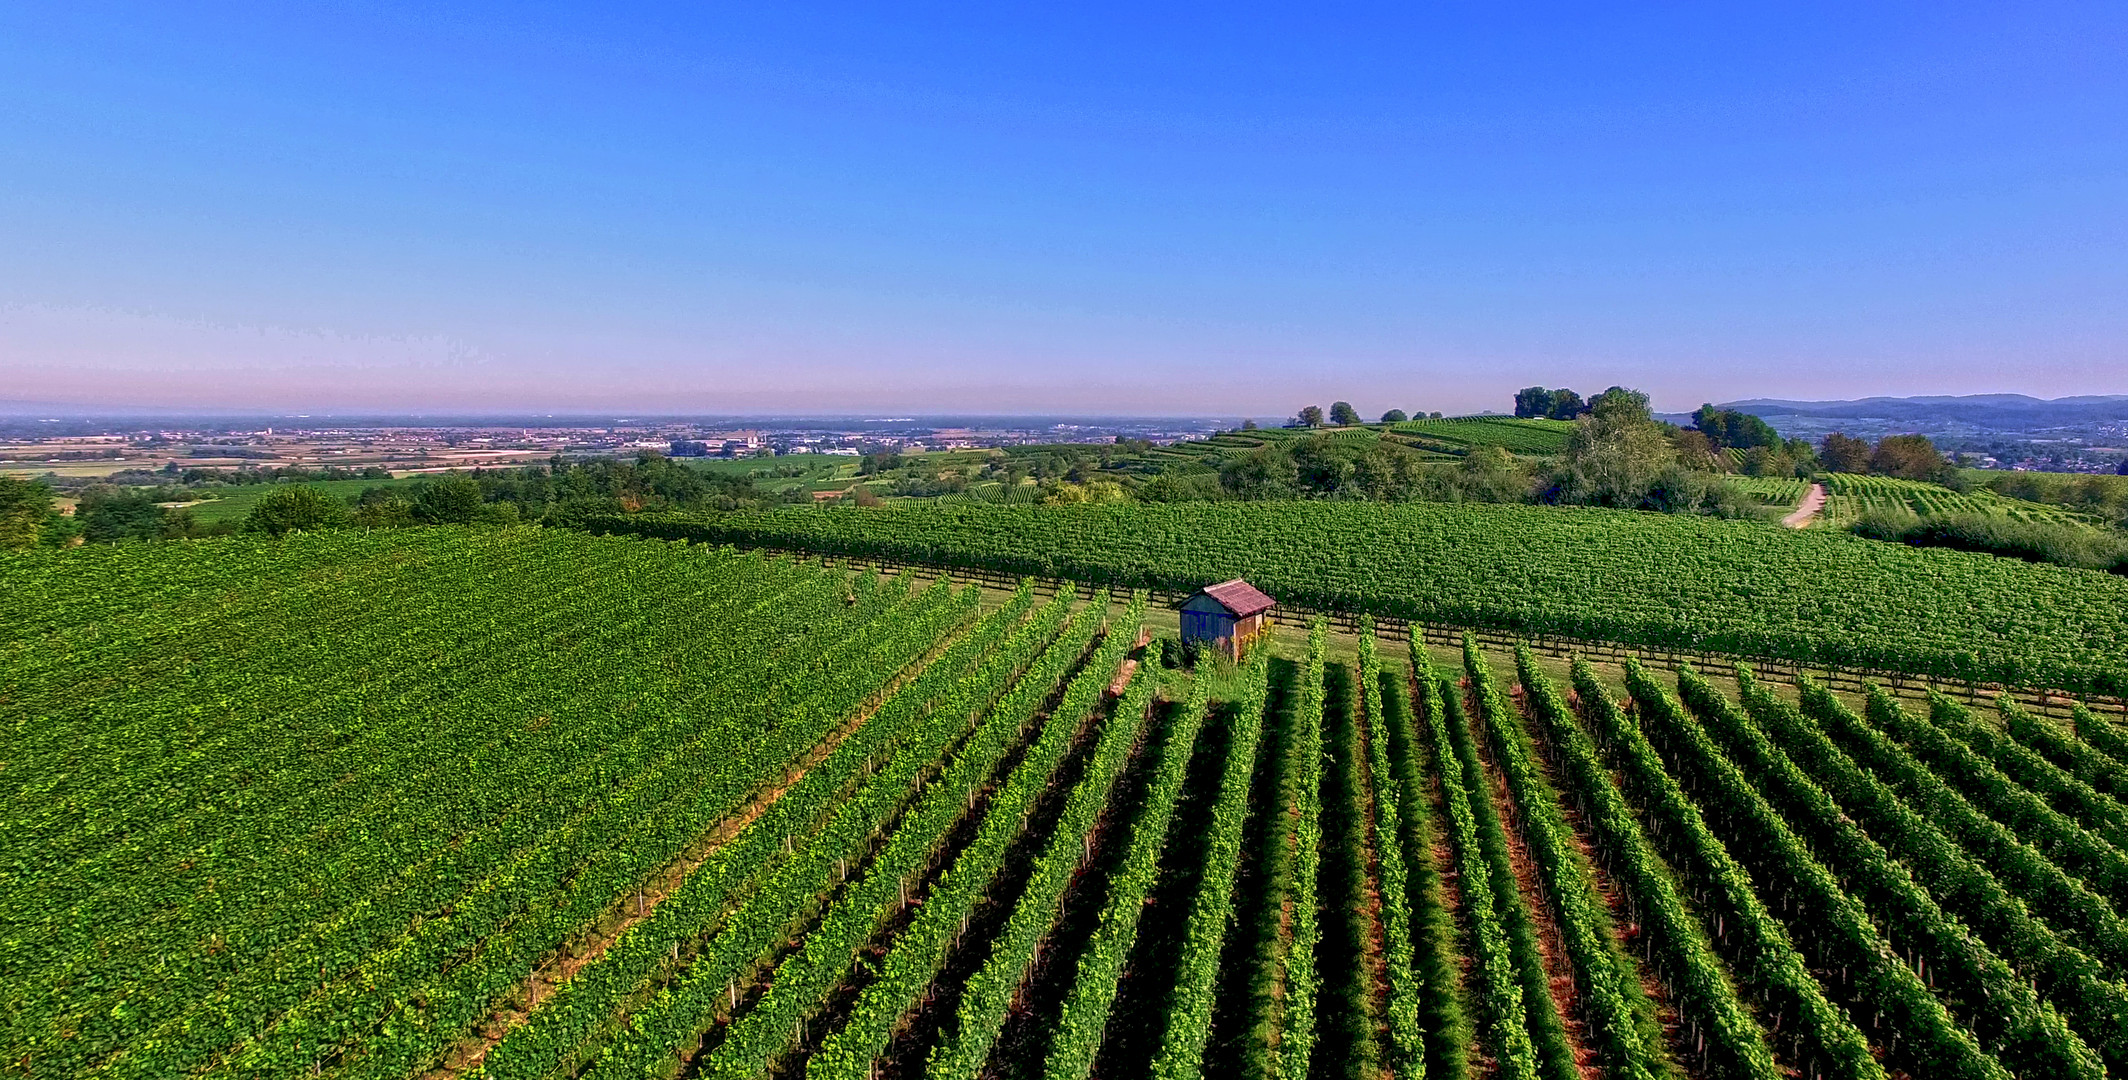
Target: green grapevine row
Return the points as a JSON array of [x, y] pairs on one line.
[[2094, 810], [1295, 1047], [2102, 735], [1619, 1013], [1696, 978], [1188, 1020], [1975, 984], [1672, 581], [2101, 865], [2066, 902], [659, 1031], [2073, 755], [1407, 1047], [916, 956], [1506, 1017], [1080, 1029], [1555, 1056], [427, 1001], [914, 729], [1767, 961], [322, 900], [990, 991], [1434, 939], [2096, 1006], [1834, 922]]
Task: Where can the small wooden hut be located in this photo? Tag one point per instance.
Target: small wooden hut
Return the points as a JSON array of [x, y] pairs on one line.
[[1228, 615]]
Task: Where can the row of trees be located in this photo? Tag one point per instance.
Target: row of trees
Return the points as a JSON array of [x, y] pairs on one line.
[[1342, 414], [30, 516], [1538, 403]]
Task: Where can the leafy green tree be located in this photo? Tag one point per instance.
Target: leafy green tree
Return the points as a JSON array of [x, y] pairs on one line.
[[1565, 405], [1248, 425], [1767, 461], [1698, 451], [295, 508], [390, 512], [451, 500], [1619, 407], [110, 516], [1616, 455], [1394, 416], [24, 506], [1486, 474], [1845, 453], [1387, 473], [1728, 427], [1310, 416], [1183, 483], [1537, 403], [1909, 457], [1264, 473], [1804, 455], [1324, 464], [1343, 414]]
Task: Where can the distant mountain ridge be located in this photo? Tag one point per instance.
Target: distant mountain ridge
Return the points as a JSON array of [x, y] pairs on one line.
[[1984, 410]]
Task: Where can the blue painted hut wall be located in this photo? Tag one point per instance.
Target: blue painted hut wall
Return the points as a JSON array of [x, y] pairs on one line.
[[1206, 619]]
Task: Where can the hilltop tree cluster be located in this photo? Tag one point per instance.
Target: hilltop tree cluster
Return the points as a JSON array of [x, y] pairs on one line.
[[1908, 457], [1538, 403], [1342, 414]]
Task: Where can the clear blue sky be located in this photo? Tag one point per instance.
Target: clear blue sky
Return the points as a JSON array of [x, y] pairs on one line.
[[1216, 208]]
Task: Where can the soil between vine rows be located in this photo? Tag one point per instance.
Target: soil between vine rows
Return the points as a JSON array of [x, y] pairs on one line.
[[1024, 1043], [935, 1013], [1136, 1021]]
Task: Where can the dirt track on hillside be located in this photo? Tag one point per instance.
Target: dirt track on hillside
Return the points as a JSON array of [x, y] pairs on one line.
[[1807, 512]]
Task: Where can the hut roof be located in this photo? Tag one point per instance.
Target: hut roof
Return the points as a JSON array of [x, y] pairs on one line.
[[1240, 597]]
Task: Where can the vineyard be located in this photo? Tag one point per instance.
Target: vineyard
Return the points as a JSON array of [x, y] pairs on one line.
[[1434, 440], [1851, 496], [1465, 433], [1649, 580], [537, 804], [1773, 491]]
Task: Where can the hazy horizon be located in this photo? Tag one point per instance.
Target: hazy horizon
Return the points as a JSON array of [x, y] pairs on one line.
[[1170, 211]]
